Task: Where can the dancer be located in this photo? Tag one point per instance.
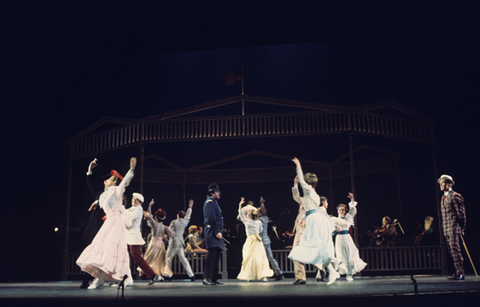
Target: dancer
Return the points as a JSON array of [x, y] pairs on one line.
[[454, 222], [155, 255], [316, 244], [299, 268], [176, 245], [255, 262], [213, 220], [192, 244], [133, 219], [345, 249], [262, 216], [107, 256]]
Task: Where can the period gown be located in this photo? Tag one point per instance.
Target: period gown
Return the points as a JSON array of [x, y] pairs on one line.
[[255, 265], [316, 244], [345, 249], [156, 255], [108, 252]]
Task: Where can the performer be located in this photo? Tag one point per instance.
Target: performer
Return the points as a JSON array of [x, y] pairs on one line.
[[199, 237], [192, 244], [424, 232], [386, 234], [255, 262], [316, 244], [299, 268], [262, 216], [95, 221], [133, 219], [155, 255], [454, 221], [176, 245], [345, 249], [107, 256], [213, 221]]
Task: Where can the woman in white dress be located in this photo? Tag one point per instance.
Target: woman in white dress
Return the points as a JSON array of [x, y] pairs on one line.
[[316, 244], [107, 256], [255, 265], [345, 248], [156, 255]]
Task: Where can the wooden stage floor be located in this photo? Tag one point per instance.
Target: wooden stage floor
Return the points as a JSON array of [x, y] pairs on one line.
[[430, 291]]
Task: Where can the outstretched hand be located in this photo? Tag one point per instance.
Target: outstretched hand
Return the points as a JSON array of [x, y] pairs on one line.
[[190, 203], [350, 195], [242, 201], [297, 162], [151, 203], [133, 163]]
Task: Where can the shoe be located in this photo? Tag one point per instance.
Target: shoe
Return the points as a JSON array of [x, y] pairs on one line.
[[279, 277], [457, 277], [153, 280], [192, 278], [208, 282], [218, 282], [97, 283], [349, 278], [265, 279], [322, 276], [168, 278], [333, 277], [300, 282]]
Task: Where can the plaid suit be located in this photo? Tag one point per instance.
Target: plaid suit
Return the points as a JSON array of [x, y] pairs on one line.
[[454, 222]]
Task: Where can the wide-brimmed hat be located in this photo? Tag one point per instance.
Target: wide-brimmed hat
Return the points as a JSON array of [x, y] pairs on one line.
[[447, 178], [138, 196]]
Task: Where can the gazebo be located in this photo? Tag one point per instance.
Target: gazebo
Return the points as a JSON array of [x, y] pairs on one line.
[[209, 122]]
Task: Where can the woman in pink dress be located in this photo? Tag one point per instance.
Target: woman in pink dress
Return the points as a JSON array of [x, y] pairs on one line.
[[107, 256]]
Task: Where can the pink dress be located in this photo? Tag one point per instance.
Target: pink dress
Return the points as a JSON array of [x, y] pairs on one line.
[[108, 252]]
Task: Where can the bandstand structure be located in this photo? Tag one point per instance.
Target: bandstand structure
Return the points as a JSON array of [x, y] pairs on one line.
[[305, 119]]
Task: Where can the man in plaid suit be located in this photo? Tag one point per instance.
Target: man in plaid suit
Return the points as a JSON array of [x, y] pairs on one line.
[[453, 223]]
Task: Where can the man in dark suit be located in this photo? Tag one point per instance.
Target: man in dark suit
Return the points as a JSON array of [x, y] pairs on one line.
[[453, 223], [213, 235]]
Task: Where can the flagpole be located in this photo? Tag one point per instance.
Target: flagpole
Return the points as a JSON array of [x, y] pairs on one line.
[[243, 93]]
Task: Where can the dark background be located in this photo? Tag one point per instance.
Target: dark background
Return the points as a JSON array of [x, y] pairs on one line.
[[66, 65]]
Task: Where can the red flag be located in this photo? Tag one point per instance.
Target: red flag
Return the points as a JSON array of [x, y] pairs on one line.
[[233, 78]]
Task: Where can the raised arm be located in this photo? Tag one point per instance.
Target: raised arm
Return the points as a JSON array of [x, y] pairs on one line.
[[296, 192], [241, 214], [189, 211], [128, 177]]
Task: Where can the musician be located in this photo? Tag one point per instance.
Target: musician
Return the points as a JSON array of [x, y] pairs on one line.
[[385, 235], [453, 223], [424, 232]]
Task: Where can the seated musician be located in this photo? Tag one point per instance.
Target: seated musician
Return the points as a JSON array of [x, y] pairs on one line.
[[192, 244], [385, 235]]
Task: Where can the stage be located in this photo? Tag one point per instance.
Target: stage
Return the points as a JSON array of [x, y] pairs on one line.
[[392, 290]]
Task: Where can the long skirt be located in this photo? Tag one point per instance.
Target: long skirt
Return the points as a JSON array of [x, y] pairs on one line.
[[316, 244], [156, 257], [347, 252], [255, 265], [108, 252]]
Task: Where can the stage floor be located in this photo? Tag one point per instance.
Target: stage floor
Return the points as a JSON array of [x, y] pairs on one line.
[[393, 290]]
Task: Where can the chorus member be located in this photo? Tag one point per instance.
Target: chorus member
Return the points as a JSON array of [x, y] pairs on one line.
[[107, 256], [345, 249], [255, 262], [262, 216], [192, 244], [316, 244], [299, 268], [454, 221], [132, 218], [213, 220], [176, 245], [156, 255]]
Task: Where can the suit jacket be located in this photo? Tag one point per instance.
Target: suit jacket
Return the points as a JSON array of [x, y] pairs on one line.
[[178, 227], [132, 218], [452, 208], [213, 220]]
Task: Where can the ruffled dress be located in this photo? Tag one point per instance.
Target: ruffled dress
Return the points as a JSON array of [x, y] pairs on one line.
[[316, 244], [108, 252], [255, 265], [345, 249]]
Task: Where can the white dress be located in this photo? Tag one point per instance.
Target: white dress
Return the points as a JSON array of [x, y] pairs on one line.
[[316, 244], [108, 251], [345, 249], [255, 265]]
